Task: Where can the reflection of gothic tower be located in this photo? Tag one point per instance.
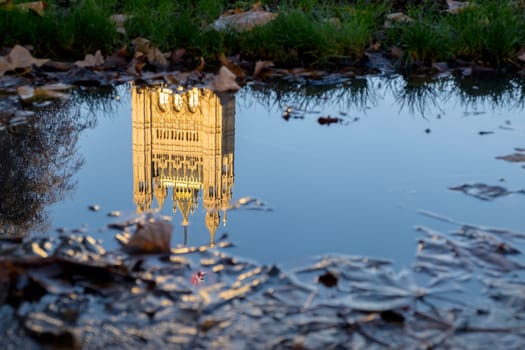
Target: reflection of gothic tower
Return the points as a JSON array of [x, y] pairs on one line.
[[183, 140]]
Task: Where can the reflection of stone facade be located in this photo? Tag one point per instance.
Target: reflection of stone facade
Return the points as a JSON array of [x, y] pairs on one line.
[[183, 140]]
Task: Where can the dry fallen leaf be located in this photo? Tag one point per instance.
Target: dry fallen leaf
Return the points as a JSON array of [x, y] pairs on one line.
[[36, 6], [397, 52], [455, 7], [261, 66], [5, 66], [177, 54], [22, 58], [234, 68], [202, 64], [91, 60], [522, 57], [19, 57], [153, 54], [151, 237], [225, 81]]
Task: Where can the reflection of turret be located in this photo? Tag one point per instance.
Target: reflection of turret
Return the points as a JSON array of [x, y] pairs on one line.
[[141, 139], [212, 222], [183, 141], [160, 193]]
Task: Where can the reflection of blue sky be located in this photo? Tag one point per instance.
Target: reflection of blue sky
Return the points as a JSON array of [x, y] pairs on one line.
[[344, 188]]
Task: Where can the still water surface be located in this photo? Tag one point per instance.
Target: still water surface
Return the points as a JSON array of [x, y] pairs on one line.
[[357, 186]]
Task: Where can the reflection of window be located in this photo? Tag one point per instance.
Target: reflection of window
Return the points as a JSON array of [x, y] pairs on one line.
[[177, 102], [163, 99], [193, 99]]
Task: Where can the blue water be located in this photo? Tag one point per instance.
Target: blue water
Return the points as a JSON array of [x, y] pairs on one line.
[[355, 187]]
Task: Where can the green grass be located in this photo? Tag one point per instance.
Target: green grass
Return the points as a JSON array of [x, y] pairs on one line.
[[300, 38], [306, 32], [75, 31], [491, 31], [424, 39], [292, 37]]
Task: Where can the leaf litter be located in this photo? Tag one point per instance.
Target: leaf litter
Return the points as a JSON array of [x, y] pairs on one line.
[[69, 291]]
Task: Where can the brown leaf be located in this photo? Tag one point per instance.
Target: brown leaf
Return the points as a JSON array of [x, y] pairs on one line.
[[328, 120], [58, 66], [225, 81], [396, 52], [91, 60], [202, 64], [261, 66], [522, 56], [118, 59], [19, 57], [176, 55], [151, 237], [375, 46], [234, 68], [36, 6], [153, 54], [5, 66], [328, 279], [392, 316]]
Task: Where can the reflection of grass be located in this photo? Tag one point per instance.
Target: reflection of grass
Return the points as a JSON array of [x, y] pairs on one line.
[[39, 160], [497, 93], [356, 94], [424, 95], [417, 96]]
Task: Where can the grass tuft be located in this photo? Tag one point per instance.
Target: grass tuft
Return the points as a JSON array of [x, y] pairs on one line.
[[305, 33], [492, 31]]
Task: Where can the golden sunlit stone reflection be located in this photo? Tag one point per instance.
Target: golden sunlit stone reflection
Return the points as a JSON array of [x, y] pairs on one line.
[[183, 142]]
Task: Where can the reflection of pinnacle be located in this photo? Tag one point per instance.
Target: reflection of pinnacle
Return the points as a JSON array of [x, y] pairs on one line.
[[212, 220], [183, 141], [160, 194]]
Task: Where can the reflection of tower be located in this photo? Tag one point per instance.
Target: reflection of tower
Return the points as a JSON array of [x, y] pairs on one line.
[[183, 140]]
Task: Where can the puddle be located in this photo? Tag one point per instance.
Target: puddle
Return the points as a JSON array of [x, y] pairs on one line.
[[342, 168], [422, 179]]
